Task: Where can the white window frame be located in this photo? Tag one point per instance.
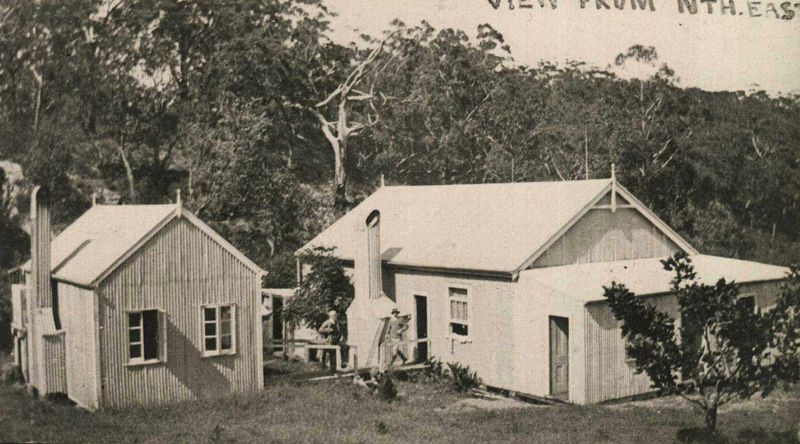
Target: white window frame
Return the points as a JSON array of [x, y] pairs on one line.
[[161, 317], [469, 299], [218, 351]]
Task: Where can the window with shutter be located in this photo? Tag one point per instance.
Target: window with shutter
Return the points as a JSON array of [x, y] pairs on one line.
[[146, 336]]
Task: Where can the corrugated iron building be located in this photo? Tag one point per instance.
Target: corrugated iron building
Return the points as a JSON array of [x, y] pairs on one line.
[[150, 305]]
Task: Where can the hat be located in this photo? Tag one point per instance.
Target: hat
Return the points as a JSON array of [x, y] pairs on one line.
[[395, 310]]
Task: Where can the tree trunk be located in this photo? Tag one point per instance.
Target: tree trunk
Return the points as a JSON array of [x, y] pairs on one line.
[[128, 172], [39, 83], [711, 419], [340, 158]]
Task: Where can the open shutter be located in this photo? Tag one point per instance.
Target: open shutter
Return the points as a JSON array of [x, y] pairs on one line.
[[162, 331], [234, 327]]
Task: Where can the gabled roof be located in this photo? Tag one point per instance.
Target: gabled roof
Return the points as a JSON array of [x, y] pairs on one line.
[[103, 237], [646, 276], [481, 227]]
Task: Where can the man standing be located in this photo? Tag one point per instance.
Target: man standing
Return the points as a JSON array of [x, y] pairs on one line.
[[329, 330], [397, 329]]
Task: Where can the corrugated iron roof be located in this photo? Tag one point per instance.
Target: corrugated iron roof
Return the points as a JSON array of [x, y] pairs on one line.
[[488, 227], [103, 234], [88, 248], [584, 282]]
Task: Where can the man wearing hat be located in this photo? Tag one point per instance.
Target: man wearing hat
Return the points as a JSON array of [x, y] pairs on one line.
[[397, 329], [329, 330]]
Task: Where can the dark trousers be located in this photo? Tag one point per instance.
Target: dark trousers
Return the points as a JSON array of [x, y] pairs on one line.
[[329, 359]]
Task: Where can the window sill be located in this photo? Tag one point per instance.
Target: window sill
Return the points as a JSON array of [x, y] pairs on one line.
[[217, 354], [144, 363], [460, 339]]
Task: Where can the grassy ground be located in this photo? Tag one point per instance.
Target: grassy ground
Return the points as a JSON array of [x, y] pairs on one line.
[[338, 411]]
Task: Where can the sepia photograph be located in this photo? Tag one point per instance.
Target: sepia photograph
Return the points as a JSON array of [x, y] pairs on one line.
[[400, 221]]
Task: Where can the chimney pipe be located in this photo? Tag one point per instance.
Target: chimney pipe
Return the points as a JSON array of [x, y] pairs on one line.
[[374, 254], [40, 246]]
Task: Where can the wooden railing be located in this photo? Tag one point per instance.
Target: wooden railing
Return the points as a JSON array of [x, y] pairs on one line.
[[384, 353], [286, 344]]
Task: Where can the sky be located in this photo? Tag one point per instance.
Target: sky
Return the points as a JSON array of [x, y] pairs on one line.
[[751, 50]]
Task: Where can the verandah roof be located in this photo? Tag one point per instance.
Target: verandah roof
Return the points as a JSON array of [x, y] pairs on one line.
[[584, 282]]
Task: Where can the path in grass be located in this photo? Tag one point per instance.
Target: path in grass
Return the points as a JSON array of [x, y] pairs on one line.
[[341, 412]]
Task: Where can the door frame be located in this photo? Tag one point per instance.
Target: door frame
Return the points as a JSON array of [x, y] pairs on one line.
[[550, 324], [415, 295]]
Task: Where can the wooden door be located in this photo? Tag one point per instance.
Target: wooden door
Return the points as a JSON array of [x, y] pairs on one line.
[[559, 357], [422, 327], [277, 317]]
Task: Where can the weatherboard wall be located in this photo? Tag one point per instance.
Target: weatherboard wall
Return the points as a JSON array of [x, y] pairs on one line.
[[604, 236], [177, 271], [490, 348]]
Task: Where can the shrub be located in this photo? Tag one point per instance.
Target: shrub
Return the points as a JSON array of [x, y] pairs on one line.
[[462, 378], [724, 349], [386, 388], [11, 374], [325, 288]]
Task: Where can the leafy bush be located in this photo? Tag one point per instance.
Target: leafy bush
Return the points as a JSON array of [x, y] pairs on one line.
[[326, 287], [11, 374], [386, 388], [462, 378], [723, 351]]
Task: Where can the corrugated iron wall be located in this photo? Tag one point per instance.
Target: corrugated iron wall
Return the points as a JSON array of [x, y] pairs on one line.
[[77, 313], [177, 271], [18, 306], [40, 247], [54, 354], [603, 236], [609, 373]]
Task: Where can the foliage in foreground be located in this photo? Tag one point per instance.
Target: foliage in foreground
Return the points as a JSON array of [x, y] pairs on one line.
[[326, 287], [342, 412], [459, 377], [724, 348]]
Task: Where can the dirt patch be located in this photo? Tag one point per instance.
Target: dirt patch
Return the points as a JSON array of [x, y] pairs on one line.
[[775, 402], [486, 403]]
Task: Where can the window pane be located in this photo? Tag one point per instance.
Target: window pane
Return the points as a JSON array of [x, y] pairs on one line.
[[211, 329], [458, 310], [211, 344], [135, 351], [134, 319], [150, 326], [458, 292], [225, 313], [210, 314], [459, 329], [226, 342], [134, 335]]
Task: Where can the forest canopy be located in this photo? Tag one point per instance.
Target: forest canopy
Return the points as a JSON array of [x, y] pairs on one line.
[[271, 129]]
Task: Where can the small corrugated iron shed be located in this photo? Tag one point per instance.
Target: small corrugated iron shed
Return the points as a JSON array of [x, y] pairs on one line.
[[152, 306]]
